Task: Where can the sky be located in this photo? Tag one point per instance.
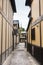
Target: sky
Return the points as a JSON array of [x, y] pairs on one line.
[[22, 13]]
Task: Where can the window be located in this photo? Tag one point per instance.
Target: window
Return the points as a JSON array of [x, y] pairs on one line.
[[33, 34]]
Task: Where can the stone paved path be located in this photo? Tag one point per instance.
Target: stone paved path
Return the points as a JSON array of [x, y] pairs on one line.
[[21, 57]]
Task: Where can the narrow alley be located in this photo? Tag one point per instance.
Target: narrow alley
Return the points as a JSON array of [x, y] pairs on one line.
[[20, 56], [21, 32]]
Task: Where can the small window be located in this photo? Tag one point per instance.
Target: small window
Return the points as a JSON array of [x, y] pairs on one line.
[[33, 34]]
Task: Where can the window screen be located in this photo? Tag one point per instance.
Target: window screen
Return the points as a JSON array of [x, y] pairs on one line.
[[33, 34]]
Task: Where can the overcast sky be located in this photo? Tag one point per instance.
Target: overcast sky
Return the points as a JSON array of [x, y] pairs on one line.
[[22, 13]]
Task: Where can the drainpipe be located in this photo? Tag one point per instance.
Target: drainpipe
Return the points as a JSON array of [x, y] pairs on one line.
[[40, 23], [40, 31]]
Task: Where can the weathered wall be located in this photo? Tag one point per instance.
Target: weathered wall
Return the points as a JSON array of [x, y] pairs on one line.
[[5, 28], [36, 48], [35, 9]]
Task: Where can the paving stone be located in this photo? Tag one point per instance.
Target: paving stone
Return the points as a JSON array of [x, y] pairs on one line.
[[21, 57]]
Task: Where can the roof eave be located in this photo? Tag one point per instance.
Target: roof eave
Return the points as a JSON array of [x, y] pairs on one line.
[[13, 5], [28, 2], [30, 20]]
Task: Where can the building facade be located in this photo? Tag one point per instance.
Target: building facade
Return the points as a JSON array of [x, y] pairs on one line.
[[15, 32], [23, 36], [6, 28], [35, 30]]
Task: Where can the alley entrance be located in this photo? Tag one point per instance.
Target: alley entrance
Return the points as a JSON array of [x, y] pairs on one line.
[[21, 57]]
